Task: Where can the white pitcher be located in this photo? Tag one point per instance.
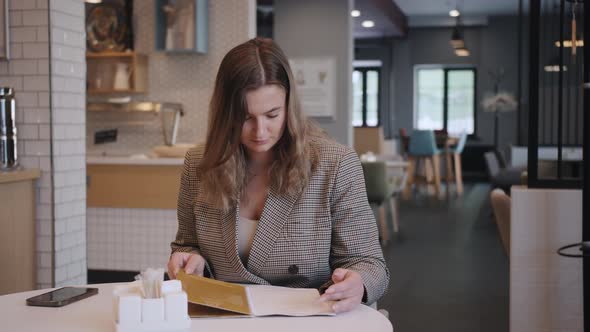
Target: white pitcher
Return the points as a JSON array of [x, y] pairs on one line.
[[122, 76]]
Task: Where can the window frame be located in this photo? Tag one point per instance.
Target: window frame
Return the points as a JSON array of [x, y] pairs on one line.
[[364, 71], [446, 69]]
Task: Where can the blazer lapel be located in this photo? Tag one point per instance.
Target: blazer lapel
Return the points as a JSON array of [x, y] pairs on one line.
[[228, 229], [228, 224], [274, 216]]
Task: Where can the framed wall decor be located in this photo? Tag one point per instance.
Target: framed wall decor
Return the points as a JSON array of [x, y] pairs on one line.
[[4, 42], [182, 26], [109, 26]]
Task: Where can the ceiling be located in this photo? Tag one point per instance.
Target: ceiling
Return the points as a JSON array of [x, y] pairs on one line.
[[423, 13], [466, 7]]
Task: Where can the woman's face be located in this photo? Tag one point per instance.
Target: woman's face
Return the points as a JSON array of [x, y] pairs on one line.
[[265, 121]]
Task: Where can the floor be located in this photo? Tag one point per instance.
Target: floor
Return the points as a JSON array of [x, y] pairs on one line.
[[448, 268]]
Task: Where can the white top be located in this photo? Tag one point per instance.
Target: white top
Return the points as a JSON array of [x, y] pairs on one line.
[[246, 230], [96, 314]]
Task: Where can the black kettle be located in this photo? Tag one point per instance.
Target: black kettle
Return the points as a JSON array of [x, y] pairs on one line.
[[8, 153]]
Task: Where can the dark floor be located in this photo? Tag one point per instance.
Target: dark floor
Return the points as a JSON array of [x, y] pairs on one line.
[[448, 268]]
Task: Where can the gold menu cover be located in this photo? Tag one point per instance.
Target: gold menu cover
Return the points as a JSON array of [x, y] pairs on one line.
[[214, 298], [213, 294]]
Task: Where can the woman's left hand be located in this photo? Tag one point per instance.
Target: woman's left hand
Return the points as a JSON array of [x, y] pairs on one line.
[[347, 290]]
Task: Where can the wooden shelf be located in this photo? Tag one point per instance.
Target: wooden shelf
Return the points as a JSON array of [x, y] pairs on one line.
[[93, 55], [116, 73]]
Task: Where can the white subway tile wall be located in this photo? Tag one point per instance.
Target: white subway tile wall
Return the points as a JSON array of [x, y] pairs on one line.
[[68, 111], [182, 78], [129, 239], [51, 118], [27, 72]]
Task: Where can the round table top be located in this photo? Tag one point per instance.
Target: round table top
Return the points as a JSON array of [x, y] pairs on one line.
[[96, 314]]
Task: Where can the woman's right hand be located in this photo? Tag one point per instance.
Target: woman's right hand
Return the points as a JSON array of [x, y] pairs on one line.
[[191, 263]]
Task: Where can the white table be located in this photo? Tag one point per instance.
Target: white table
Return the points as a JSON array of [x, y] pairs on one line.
[[96, 314]]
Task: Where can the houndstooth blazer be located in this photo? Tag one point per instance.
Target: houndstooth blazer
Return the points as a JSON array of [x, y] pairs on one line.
[[299, 239]]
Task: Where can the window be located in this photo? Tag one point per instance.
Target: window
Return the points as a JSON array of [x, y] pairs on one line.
[[365, 87], [444, 99]]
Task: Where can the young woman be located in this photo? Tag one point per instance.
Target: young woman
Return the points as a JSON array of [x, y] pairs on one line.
[[269, 199]]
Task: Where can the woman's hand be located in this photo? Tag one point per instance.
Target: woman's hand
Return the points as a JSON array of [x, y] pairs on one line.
[[347, 290], [191, 263]]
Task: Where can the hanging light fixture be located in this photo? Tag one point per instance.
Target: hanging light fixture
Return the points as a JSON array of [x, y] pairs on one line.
[[462, 51], [457, 41], [457, 38]]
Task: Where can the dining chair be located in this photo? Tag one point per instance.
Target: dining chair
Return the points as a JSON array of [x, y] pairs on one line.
[[368, 139], [404, 141], [501, 207], [453, 158], [381, 190], [422, 148]]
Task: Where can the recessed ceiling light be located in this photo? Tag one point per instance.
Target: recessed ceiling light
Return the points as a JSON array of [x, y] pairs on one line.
[[355, 13], [454, 13], [93, 1], [368, 24]]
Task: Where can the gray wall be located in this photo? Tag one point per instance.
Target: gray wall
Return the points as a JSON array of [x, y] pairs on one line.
[[492, 47], [324, 31], [380, 49]]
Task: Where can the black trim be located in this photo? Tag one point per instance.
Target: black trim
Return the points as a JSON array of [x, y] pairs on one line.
[[586, 173], [532, 171], [560, 96]]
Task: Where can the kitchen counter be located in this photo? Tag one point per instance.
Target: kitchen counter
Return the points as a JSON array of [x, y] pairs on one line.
[[19, 175], [17, 221], [133, 160]]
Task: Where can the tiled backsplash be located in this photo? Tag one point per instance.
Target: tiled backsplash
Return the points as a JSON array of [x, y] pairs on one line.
[[129, 239], [180, 78]]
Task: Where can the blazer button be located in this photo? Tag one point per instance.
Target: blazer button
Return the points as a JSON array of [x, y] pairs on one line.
[[293, 269]]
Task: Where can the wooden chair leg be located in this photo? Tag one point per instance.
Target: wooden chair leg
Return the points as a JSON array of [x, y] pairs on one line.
[[436, 162], [458, 174], [383, 225], [428, 169], [394, 213], [448, 171], [410, 177]]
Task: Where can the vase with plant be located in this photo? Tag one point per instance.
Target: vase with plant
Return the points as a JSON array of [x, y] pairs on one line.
[[498, 101]]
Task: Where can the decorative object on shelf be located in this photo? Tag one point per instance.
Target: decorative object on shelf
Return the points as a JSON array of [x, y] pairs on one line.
[[122, 76], [109, 26], [4, 29], [182, 25], [498, 101]]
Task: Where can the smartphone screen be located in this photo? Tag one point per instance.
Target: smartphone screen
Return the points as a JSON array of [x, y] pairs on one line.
[[61, 297]]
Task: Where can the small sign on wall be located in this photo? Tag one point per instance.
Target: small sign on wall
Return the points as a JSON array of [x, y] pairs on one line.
[[315, 78]]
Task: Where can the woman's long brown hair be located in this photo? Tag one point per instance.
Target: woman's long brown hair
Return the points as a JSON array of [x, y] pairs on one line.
[[246, 67]]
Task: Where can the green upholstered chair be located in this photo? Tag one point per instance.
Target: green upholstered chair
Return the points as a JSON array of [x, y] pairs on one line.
[[380, 191]]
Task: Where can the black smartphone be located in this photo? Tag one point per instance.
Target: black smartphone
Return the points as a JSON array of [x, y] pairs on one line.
[[61, 296]]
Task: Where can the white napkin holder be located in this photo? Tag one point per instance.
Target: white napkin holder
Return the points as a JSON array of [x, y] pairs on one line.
[[133, 313]]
